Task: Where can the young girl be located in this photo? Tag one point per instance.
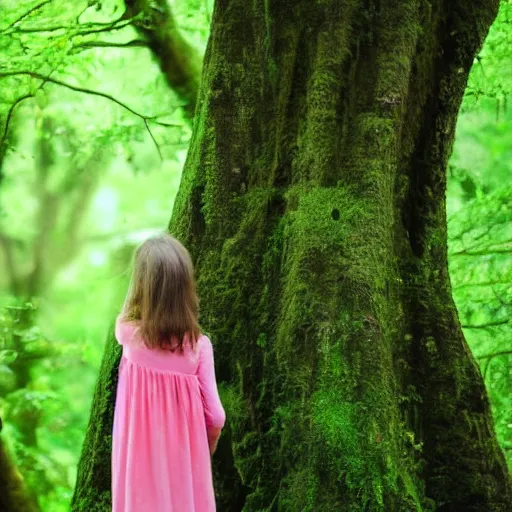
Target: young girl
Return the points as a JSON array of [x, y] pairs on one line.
[[168, 415]]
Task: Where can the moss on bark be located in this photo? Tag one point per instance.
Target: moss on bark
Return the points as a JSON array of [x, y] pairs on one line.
[[93, 485]]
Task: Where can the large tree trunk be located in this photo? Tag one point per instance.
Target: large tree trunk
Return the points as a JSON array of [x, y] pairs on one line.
[[313, 203]]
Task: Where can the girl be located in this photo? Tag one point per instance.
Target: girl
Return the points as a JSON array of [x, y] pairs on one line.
[[168, 415]]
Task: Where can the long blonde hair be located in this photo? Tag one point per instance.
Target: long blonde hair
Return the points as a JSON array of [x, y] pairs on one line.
[[162, 297]]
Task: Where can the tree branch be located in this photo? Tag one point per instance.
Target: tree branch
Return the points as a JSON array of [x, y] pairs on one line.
[[3, 138], [179, 61], [28, 13], [488, 325], [6, 127], [482, 283], [78, 29], [136, 43], [55, 81], [490, 357], [486, 251], [500, 353], [154, 141], [500, 299]]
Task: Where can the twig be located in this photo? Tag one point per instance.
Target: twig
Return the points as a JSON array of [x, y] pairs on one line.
[[488, 325], [136, 43], [484, 252], [500, 299], [77, 19], [85, 29], [154, 140], [490, 357], [494, 354], [482, 283], [28, 13], [9, 116]]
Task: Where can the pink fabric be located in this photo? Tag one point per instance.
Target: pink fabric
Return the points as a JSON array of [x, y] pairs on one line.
[[167, 406]]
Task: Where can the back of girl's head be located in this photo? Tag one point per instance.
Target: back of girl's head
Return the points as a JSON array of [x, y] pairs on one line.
[[162, 297]]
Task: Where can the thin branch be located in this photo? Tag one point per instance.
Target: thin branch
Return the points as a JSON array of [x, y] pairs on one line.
[[28, 13], [79, 30], [484, 252], [488, 325], [482, 283], [9, 116], [87, 7], [472, 227], [45, 79], [136, 43], [39, 76], [494, 354], [488, 253], [3, 139], [154, 140], [500, 299], [104, 27], [490, 357]]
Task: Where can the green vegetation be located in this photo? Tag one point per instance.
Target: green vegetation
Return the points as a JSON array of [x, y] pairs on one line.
[[93, 136]]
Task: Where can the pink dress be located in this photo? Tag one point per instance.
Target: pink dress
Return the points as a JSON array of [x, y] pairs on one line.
[[167, 408]]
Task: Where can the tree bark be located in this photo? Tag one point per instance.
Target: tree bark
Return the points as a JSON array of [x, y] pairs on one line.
[[178, 60], [313, 202], [93, 485]]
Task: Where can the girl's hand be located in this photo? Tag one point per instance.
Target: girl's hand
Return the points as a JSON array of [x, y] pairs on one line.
[[213, 438], [213, 447]]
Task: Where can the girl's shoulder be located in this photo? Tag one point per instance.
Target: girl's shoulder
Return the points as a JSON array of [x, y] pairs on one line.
[[203, 341], [125, 331]]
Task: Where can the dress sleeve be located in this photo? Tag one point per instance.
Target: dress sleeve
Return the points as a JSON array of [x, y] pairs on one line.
[[124, 331], [213, 410]]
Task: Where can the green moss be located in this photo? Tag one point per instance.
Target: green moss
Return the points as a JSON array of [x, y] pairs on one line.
[[93, 487]]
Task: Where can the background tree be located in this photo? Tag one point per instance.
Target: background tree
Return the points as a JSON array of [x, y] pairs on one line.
[[13, 496], [313, 203]]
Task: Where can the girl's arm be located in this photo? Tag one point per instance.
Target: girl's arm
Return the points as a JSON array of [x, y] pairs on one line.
[[214, 412]]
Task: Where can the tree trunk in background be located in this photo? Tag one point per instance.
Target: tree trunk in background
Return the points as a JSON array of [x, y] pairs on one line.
[[313, 202], [178, 60], [14, 496]]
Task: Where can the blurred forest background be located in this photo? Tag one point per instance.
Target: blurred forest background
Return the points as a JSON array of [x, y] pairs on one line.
[[94, 129]]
